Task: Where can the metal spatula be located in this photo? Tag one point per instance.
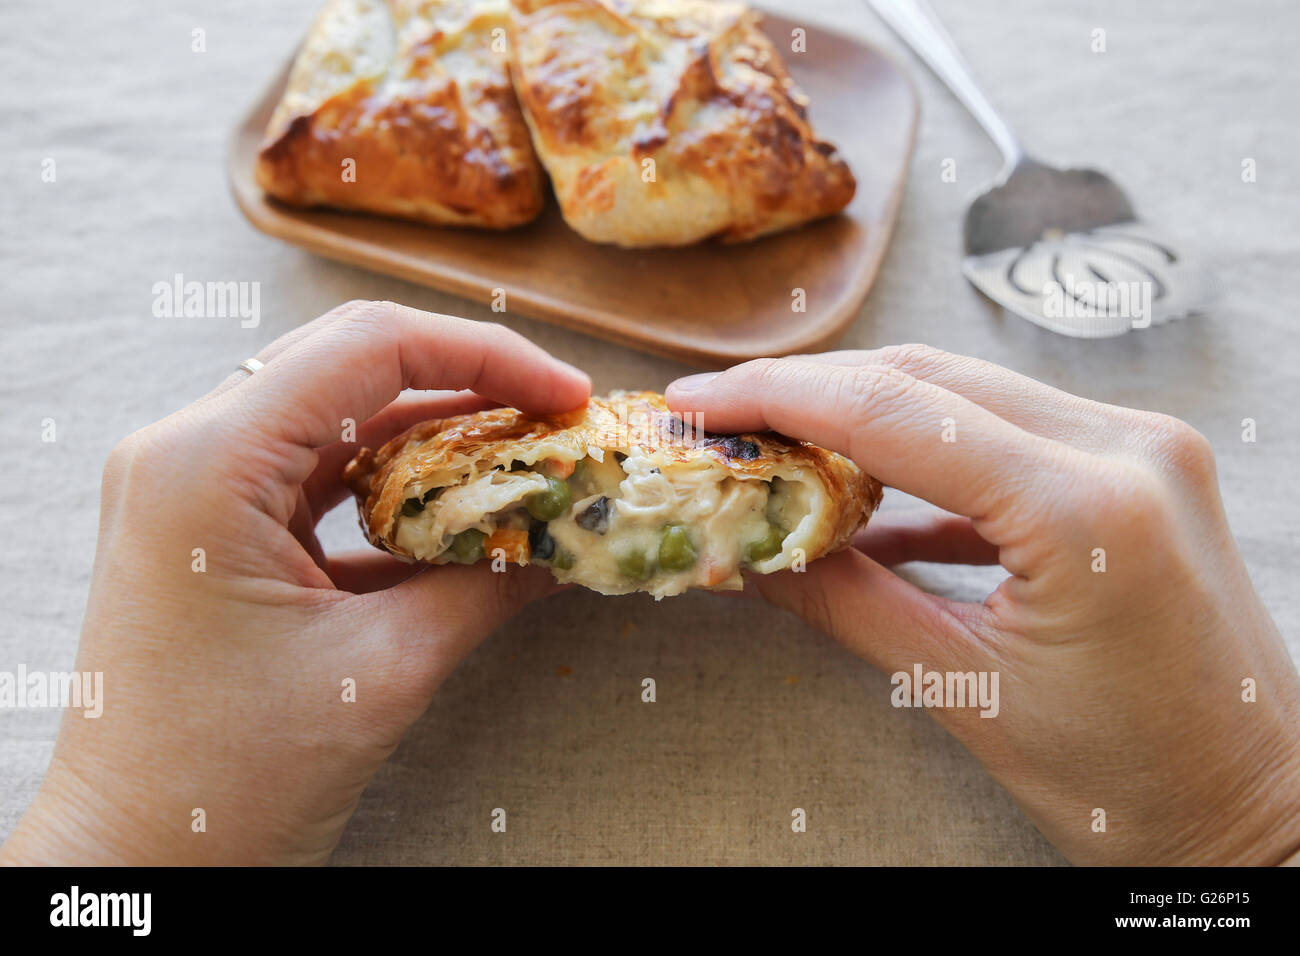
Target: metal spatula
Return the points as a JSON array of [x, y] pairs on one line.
[[1061, 247]]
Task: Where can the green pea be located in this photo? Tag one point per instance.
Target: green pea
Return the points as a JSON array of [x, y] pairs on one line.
[[562, 559], [581, 474], [549, 504], [768, 546], [633, 564], [675, 550], [467, 547], [412, 507]]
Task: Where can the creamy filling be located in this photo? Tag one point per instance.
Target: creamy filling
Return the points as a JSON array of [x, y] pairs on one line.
[[615, 523]]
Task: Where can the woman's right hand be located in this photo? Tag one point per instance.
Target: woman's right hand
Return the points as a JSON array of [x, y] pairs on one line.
[[1139, 673]]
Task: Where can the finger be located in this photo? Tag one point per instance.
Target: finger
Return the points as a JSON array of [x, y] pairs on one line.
[[362, 572], [324, 487], [874, 613], [432, 621], [920, 534], [910, 434], [1029, 404], [356, 364], [279, 346], [303, 527]]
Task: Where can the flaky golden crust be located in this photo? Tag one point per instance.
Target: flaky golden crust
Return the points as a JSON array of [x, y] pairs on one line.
[[445, 449], [416, 93], [694, 86]]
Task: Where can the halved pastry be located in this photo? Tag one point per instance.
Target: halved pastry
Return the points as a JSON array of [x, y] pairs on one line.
[[664, 122], [404, 108], [618, 496]]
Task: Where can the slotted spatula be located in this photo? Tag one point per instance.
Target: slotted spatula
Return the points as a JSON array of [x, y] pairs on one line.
[[1061, 247]]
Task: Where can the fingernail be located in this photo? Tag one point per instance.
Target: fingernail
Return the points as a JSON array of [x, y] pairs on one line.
[[693, 383]]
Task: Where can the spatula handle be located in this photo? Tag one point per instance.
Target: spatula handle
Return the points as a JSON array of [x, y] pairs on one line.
[[916, 23]]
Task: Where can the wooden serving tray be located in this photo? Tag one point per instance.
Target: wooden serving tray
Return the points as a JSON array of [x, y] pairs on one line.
[[709, 304]]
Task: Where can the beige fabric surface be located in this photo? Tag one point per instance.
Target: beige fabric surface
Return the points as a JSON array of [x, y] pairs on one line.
[[756, 714]]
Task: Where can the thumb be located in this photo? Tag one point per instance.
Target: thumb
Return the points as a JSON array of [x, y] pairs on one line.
[[873, 612], [429, 623]]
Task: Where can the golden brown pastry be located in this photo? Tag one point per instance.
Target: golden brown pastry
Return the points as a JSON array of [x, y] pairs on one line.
[[609, 85], [416, 93], [618, 496]]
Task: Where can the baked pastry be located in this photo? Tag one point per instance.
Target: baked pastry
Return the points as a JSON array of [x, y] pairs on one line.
[[416, 93], [618, 496], [607, 86]]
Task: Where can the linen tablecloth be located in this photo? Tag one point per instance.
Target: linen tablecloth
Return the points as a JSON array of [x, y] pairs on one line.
[[756, 713]]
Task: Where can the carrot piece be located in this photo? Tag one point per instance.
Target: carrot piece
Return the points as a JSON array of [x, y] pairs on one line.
[[512, 542], [715, 572], [559, 468]]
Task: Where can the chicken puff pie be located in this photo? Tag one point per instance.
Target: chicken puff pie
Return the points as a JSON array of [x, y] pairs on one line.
[[404, 108], [618, 496], [664, 122]]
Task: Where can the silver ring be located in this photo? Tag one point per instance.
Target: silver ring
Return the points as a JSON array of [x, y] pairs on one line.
[[251, 365]]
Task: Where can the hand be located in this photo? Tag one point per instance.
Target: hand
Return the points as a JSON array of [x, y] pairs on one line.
[[223, 688], [1120, 689]]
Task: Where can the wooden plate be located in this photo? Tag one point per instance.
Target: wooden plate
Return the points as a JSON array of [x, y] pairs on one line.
[[709, 304]]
